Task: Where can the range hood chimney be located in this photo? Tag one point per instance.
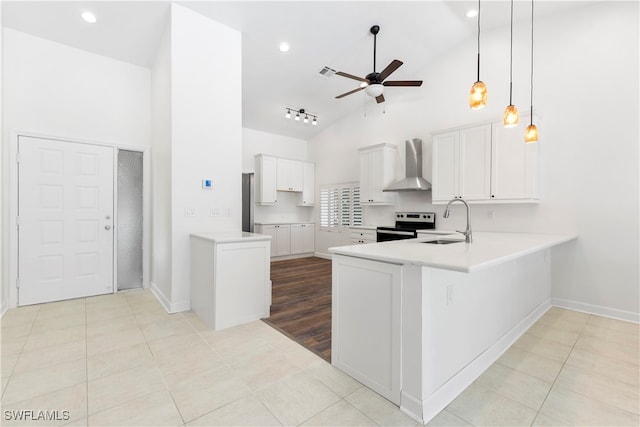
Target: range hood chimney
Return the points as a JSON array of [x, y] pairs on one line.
[[413, 167]]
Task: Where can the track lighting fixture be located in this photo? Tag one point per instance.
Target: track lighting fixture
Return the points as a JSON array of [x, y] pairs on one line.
[[301, 113], [531, 134], [478, 94], [510, 117]]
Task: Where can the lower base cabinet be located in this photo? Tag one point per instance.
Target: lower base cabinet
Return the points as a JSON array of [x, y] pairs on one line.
[[289, 239]]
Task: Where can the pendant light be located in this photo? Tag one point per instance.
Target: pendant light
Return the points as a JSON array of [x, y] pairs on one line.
[[531, 134], [478, 94], [510, 117]]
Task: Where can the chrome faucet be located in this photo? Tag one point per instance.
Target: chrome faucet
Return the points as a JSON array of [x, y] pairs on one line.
[[467, 233]]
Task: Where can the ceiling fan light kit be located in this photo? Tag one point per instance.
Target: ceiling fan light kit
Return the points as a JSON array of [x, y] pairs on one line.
[[374, 83], [301, 113]]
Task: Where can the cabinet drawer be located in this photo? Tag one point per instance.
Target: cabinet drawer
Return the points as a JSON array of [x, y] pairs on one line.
[[362, 234]]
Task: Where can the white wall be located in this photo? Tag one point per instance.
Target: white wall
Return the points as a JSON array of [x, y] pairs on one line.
[[586, 88], [4, 291], [257, 142], [161, 165], [56, 90]]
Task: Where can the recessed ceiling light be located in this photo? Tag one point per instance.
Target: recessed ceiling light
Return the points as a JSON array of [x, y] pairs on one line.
[[284, 47], [89, 17], [472, 13]]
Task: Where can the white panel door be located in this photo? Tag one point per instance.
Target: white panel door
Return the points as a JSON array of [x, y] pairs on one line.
[[65, 209]]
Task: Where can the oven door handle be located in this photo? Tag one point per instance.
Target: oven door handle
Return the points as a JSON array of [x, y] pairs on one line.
[[399, 233]]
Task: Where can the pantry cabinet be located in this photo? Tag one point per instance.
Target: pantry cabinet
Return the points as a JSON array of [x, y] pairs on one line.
[[289, 176], [377, 171], [486, 163]]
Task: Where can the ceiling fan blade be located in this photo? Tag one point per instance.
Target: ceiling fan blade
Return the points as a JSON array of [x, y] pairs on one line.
[[349, 93], [403, 83], [351, 76], [394, 65], [380, 98]]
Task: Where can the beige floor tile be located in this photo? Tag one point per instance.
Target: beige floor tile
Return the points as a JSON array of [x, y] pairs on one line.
[[576, 409], [531, 364], [151, 316], [550, 333], [154, 409], [337, 381], [195, 321], [107, 299], [261, 372], [606, 335], [622, 352], [522, 388], [50, 356], [378, 408], [11, 332], [11, 344], [543, 347], [177, 369], [563, 323], [20, 315], [52, 310], [175, 346], [600, 387], [543, 420], [297, 398], [3, 385], [564, 314], [239, 342], [483, 407], [116, 361], [204, 393], [112, 326], [618, 370], [64, 406], [83, 422], [113, 390], [40, 340], [447, 419], [46, 380], [298, 355], [175, 325], [8, 364], [340, 414], [73, 318], [248, 411], [109, 342], [139, 295], [630, 328], [98, 313]]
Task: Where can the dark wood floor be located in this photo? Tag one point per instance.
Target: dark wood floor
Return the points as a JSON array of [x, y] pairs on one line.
[[301, 302]]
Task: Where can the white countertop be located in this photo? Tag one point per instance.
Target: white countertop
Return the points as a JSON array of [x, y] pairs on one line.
[[231, 236], [487, 249]]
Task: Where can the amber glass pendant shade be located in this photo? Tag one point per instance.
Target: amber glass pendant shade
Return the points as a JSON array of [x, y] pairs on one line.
[[531, 135], [510, 117], [478, 95]]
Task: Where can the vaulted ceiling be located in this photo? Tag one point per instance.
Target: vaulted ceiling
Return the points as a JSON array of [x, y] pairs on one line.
[[321, 33]]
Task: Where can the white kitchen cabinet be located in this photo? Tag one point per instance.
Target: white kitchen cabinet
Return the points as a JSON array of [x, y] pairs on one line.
[[290, 175], [265, 180], [303, 238], [514, 172], [377, 171], [359, 235], [280, 237], [308, 195], [366, 323], [462, 164]]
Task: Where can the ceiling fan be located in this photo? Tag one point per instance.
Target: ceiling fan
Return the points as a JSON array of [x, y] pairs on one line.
[[373, 83]]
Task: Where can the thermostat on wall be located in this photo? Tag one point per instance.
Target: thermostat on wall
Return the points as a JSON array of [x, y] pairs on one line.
[[207, 184]]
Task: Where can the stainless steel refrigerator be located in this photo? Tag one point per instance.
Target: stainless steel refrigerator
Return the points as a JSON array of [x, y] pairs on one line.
[[247, 202]]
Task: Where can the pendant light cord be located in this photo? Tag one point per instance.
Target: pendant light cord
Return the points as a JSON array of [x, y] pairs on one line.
[[511, 60], [478, 79], [531, 98]]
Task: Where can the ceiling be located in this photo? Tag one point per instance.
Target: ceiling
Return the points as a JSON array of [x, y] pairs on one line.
[[321, 33]]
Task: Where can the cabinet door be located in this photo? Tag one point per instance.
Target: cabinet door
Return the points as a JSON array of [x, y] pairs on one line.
[[308, 195], [289, 175], [445, 185], [283, 237], [269, 230], [377, 170], [297, 238], [308, 238], [514, 164], [475, 163], [266, 168]]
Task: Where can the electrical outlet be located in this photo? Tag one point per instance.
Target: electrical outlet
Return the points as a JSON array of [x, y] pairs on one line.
[[189, 212], [215, 212]]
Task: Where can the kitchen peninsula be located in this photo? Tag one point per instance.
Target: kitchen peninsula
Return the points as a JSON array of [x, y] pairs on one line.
[[417, 322]]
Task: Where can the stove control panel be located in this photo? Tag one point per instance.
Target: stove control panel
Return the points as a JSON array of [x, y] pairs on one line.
[[416, 216]]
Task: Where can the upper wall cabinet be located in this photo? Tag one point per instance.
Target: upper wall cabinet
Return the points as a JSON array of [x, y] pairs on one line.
[[377, 171], [275, 174], [485, 163], [265, 180], [289, 175]]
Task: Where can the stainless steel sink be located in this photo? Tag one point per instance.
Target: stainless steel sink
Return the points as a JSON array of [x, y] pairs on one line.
[[442, 241]]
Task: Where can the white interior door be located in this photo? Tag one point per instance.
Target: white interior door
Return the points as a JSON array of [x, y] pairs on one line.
[[65, 211]]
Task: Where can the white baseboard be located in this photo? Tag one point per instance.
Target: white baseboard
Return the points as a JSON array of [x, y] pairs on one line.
[[444, 395], [4, 306], [613, 313], [322, 255], [170, 307]]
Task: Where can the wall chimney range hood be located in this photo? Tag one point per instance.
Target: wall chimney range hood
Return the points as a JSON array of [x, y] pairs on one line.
[[413, 180]]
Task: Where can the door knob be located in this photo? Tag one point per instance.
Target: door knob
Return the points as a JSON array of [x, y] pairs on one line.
[[107, 227]]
